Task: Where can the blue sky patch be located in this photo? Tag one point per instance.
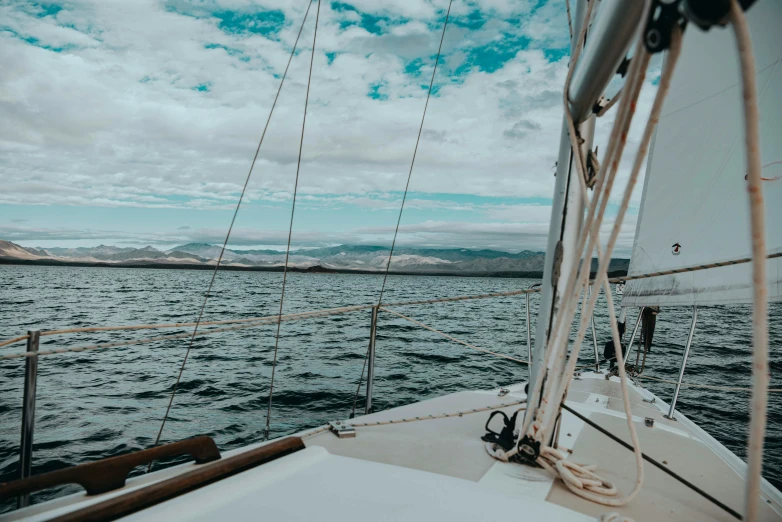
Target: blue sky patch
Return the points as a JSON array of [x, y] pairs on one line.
[[369, 22], [493, 56], [375, 91], [472, 21], [265, 23]]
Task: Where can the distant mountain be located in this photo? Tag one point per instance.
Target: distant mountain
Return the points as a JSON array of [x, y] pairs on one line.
[[14, 251], [342, 258], [204, 250]]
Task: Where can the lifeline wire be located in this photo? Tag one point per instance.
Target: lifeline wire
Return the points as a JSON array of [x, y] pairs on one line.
[[415, 152], [404, 196], [290, 228], [228, 234], [333, 311]]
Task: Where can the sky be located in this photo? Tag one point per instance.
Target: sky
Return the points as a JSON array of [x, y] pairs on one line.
[[135, 123]]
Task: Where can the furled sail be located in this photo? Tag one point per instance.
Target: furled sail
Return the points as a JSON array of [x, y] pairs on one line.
[[695, 208]]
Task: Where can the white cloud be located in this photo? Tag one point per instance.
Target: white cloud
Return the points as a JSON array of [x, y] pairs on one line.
[[113, 120], [122, 114]]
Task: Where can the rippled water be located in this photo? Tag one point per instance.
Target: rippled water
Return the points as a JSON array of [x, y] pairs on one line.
[[97, 404]]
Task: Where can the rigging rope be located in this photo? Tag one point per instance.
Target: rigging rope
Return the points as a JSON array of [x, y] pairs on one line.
[[404, 196], [347, 309], [228, 234], [290, 228], [315, 431], [760, 372], [580, 479], [665, 81], [267, 319], [440, 416], [674, 271]]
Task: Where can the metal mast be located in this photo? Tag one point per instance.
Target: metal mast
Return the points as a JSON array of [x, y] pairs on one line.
[[606, 44]]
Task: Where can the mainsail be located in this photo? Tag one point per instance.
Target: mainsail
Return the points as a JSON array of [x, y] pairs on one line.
[[695, 208]]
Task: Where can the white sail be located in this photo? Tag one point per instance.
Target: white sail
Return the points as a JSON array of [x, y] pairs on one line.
[[695, 208]]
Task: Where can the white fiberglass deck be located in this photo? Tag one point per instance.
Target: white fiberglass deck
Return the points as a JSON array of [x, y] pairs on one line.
[[437, 469]]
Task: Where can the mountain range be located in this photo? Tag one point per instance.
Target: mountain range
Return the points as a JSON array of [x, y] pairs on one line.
[[347, 258]]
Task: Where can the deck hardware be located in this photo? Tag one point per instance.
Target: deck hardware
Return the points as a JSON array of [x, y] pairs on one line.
[[657, 33], [649, 422], [503, 392], [594, 335], [28, 414], [650, 401], [371, 361], [671, 411], [342, 429], [632, 337], [529, 332], [577, 376]]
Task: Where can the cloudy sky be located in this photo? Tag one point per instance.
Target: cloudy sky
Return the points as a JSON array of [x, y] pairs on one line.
[[135, 123]]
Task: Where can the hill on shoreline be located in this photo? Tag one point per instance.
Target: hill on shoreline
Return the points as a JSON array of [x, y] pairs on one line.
[[340, 259]]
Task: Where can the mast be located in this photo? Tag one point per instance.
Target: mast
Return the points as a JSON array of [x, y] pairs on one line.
[[614, 25]]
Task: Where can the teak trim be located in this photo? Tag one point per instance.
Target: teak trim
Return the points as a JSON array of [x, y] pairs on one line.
[[158, 492], [111, 473]]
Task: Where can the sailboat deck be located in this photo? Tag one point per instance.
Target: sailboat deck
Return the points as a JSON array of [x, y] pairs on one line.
[[452, 446], [434, 468]]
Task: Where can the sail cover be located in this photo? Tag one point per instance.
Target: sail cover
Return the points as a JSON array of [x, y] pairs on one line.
[[695, 208]]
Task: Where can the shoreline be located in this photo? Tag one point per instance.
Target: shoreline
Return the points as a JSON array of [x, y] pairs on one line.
[[311, 270]]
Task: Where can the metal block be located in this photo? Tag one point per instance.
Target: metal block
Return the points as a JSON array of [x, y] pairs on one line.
[[342, 429]]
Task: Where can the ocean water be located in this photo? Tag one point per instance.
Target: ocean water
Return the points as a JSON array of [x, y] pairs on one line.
[[97, 404]]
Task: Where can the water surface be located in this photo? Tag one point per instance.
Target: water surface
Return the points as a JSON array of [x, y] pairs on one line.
[[98, 404]]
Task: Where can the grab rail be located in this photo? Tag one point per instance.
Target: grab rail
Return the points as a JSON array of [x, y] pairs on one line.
[[111, 473]]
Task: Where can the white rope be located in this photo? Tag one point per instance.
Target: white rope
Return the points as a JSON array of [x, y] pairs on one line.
[[548, 363], [273, 318], [580, 479], [760, 373], [440, 416], [601, 274], [614, 517]]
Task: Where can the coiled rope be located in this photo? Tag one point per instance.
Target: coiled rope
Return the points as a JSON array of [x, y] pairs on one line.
[[581, 479]]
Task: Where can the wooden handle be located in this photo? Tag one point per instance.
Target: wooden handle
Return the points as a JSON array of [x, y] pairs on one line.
[[111, 473], [147, 496]]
